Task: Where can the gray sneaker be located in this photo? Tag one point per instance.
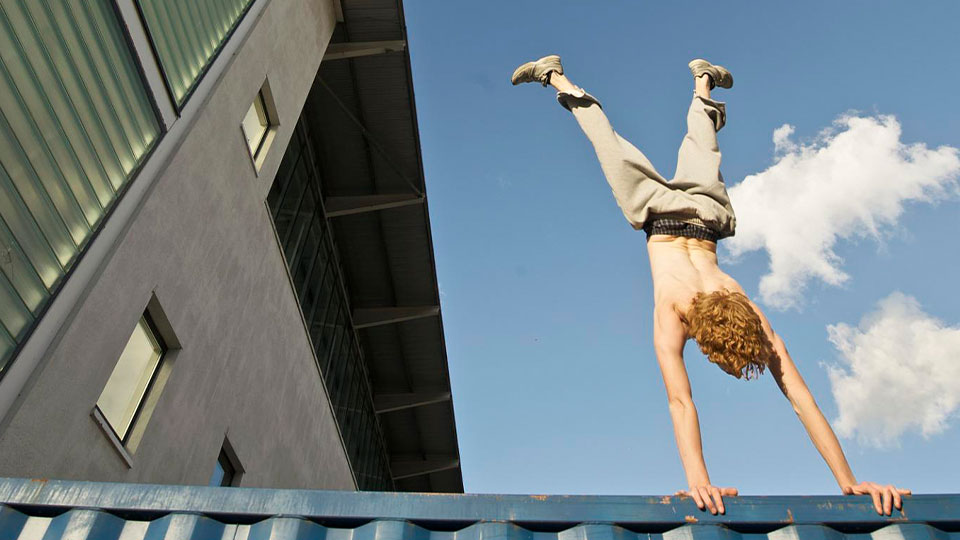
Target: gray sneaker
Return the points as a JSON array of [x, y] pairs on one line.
[[719, 76], [538, 71]]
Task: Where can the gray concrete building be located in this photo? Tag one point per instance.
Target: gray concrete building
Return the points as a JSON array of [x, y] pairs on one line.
[[215, 252]]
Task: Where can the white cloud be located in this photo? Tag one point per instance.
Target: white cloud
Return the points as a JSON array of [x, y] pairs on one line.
[[851, 181], [781, 139], [897, 371]]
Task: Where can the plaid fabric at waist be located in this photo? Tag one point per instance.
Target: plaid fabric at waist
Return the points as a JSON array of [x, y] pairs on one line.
[[675, 227]]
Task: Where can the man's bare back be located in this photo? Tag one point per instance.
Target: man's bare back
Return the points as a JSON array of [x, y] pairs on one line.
[[683, 267]]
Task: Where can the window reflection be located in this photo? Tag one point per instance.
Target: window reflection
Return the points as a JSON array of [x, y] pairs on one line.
[[224, 472], [255, 124], [128, 384]]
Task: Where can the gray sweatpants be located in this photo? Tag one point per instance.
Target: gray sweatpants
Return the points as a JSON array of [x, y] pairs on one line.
[[696, 194]]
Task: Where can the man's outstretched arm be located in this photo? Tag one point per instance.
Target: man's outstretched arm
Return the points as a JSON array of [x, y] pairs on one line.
[[788, 378], [669, 337]]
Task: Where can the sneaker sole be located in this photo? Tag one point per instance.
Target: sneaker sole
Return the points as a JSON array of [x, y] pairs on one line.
[[515, 78], [703, 66]]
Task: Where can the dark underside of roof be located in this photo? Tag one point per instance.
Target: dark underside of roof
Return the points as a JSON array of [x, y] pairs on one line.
[[362, 113]]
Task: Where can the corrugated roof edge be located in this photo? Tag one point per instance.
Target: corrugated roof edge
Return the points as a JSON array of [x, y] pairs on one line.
[[445, 512]]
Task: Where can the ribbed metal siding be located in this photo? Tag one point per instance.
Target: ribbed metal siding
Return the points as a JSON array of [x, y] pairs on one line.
[[304, 235], [55, 510], [187, 35], [75, 123], [92, 525]]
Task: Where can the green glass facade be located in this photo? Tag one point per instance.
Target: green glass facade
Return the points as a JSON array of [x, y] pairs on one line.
[[304, 234], [75, 124], [187, 35]]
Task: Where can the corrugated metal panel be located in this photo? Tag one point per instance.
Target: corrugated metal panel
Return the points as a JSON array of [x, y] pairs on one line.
[[55, 510], [75, 123], [187, 35]]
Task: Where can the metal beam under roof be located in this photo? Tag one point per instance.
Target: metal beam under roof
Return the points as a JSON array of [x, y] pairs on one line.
[[385, 403], [368, 317], [408, 468], [340, 51], [349, 205]]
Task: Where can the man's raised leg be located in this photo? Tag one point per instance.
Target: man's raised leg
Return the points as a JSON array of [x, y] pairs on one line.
[[698, 161], [636, 184]]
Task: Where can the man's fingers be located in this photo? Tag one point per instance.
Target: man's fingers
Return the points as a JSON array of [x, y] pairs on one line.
[[729, 492], [875, 494], [904, 491], [896, 497], [695, 493], [887, 500], [718, 499], [705, 493]]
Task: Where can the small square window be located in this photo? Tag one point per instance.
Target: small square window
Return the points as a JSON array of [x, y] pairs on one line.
[[256, 124], [223, 471], [227, 470], [123, 396], [259, 125]]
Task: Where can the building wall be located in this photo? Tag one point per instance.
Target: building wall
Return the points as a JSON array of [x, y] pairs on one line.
[[201, 242]]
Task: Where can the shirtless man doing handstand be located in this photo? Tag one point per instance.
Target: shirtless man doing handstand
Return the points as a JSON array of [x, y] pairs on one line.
[[683, 219]]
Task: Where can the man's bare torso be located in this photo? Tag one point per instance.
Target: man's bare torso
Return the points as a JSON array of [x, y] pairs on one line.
[[681, 268]]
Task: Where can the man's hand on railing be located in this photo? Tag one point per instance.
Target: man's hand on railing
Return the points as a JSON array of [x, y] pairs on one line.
[[709, 496], [884, 497]]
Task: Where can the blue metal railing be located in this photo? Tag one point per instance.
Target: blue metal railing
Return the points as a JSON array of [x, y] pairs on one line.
[[104, 510]]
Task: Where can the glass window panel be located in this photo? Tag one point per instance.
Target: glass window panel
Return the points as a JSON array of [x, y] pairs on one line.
[[311, 288], [306, 266], [300, 236], [333, 335], [187, 36], [302, 217], [88, 136], [308, 249], [17, 217], [223, 471], [207, 29], [164, 43], [305, 255], [93, 102], [105, 73], [23, 277], [255, 124], [282, 182], [366, 444], [292, 198], [75, 159], [216, 479], [14, 315], [25, 191], [29, 119], [338, 368], [131, 376], [75, 122], [7, 346], [140, 115], [348, 391], [181, 11], [320, 277]]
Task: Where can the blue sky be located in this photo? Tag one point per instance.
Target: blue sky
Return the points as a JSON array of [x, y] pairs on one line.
[[546, 291]]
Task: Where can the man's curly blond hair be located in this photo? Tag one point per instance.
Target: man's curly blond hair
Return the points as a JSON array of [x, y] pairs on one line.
[[729, 333]]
